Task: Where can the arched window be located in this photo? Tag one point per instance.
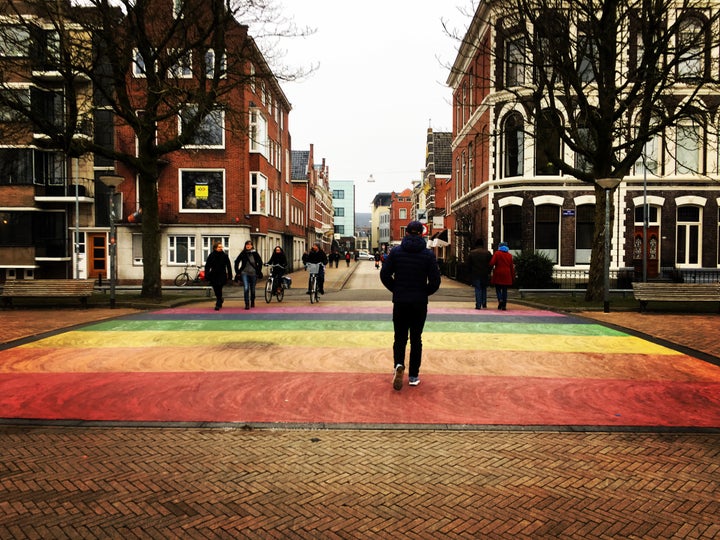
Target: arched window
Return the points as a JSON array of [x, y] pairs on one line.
[[547, 143], [691, 50], [514, 141]]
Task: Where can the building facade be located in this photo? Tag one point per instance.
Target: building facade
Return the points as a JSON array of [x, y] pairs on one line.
[[506, 188], [48, 197], [231, 181]]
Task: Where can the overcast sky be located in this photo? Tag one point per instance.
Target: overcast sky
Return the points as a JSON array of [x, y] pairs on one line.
[[380, 84]]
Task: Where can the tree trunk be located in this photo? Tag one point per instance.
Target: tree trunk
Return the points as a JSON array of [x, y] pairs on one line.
[[596, 278], [151, 284]]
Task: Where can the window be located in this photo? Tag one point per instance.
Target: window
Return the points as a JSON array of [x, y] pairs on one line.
[[547, 230], [514, 62], [210, 133], [181, 68], [50, 169], [648, 161], [210, 65], [587, 140], [514, 138], [137, 253], [339, 229], [49, 104], [138, 66], [207, 244], [584, 229], [181, 249], [687, 148], [403, 213], [202, 190], [652, 215], [339, 212], [104, 133], [547, 143], [14, 41], [258, 192], [258, 132], [338, 194], [587, 53], [9, 96], [690, 49], [512, 227], [687, 251], [16, 229], [178, 7], [49, 50], [16, 166]]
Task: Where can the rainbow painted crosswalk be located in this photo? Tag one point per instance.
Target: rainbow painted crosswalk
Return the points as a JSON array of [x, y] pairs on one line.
[[331, 364]]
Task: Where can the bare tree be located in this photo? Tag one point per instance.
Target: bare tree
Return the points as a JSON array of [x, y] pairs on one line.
[[606, 79], [135, 53]]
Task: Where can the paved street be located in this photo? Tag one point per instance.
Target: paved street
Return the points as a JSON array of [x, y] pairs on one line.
[[281, 422]]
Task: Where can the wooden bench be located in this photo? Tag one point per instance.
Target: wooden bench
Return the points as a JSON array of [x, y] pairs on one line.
[[571, 292], [47, 288], [676, 292]]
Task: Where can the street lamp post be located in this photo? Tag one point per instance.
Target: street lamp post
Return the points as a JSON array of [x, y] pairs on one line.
[[608, 184], [112, 182]]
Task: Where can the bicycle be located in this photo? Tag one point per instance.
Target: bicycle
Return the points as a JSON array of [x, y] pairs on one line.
[[184, 278], [273, 288], [313, 269]]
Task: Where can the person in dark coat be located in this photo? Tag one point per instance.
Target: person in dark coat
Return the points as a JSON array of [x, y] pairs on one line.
[[218, 271], [503, 273], [479, 260], [318, 255], [278, 257], [411, 273], [248, 266]]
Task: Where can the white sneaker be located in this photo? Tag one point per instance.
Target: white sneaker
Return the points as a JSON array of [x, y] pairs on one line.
[[413, 381], [398, 377]]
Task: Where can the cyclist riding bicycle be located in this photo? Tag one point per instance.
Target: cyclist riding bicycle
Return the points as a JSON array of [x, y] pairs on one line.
[[317, 255], [278, 258]]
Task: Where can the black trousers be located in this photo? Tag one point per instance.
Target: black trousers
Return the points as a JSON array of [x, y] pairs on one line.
[[409, 319], [217, 289]]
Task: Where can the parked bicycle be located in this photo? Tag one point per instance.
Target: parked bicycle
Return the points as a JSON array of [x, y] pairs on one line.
[[313, 269], [189, 276], [272, 287]]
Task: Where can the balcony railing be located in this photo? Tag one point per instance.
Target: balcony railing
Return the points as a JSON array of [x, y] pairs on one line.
[[65, 187]]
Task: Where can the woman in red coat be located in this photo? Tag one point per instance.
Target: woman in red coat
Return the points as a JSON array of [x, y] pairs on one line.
[[503, 273]]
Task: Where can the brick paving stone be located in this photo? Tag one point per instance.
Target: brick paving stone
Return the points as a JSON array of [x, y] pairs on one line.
[[215, 483]]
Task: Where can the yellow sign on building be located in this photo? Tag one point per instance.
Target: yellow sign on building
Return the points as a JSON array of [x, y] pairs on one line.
[[202, 191]]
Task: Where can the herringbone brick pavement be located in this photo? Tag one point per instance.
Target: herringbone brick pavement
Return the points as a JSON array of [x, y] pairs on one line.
[[97, 482]]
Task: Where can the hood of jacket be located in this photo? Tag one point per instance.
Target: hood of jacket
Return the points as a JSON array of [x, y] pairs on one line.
[[413, 243]]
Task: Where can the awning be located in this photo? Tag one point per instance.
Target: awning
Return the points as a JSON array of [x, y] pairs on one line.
[[439, 239]]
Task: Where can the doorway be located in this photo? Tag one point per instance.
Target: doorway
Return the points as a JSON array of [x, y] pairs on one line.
[[97, 256], [652, 253]]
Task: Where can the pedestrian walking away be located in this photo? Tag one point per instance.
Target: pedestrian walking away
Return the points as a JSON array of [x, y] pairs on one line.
[[347, 258], [410, 271], [218, 271], [317, 255], [503, 273], [248, 267], [479, 260]]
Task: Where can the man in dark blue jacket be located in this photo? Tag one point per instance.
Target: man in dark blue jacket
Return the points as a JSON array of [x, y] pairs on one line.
[[411, 273]]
